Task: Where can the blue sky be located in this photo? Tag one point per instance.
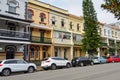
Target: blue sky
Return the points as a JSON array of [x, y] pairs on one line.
[[75, 7]]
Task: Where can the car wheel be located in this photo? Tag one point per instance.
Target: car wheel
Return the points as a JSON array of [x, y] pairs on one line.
[[113, 61], [45, 68], [81, 64], [6, 72], [68, 65], [92, 63], [30, 69], [53, 66]]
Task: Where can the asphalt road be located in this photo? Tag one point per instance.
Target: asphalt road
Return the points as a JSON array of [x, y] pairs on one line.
[[109, 71]]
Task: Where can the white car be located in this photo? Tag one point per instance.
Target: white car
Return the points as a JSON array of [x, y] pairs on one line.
[[54, 62], [16, 65]]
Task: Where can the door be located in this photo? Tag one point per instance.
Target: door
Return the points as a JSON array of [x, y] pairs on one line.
[[10, 53], [22, 65], [42, 36], [12, 31]]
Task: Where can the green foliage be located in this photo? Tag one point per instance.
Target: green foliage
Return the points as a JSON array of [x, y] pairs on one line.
[[91, 39], [112, 6]]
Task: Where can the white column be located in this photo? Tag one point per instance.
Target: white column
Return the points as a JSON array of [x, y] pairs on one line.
[[86, 54], [71, 52], [98, 52]]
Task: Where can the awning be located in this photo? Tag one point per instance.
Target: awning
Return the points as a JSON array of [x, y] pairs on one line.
[[9, 18], [40, 26]]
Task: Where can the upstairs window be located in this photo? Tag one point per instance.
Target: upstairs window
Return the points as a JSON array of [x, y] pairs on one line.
[[62, 23], [105, 34], [42, 17], [30, 14], [71, 25], [53, 20], [12, 6], [78, 27]]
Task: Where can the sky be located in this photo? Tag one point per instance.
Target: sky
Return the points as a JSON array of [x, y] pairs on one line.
[[75, 7]]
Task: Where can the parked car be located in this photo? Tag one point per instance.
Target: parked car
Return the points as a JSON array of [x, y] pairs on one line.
[[16, 65], [113, 59], [54, 63], [99, 60], [81, 61]]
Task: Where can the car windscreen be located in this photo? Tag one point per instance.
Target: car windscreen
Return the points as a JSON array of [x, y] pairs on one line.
[[95, 58], [45, 59], [0, 61]]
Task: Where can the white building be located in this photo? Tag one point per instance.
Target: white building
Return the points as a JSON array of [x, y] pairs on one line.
[[14, 31]]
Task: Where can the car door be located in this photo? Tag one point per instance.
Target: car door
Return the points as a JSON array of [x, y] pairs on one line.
[[22, 65], [12, 64], [56, 61]]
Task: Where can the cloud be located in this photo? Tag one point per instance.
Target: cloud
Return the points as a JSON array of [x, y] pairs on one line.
[[75, 7]]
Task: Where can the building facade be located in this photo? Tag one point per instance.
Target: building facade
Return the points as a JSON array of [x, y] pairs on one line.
[[40, 31], [14, 30], [110, 40]]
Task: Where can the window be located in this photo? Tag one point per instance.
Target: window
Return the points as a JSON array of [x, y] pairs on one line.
[[53, 20], [20, 62], [71, 25], [115, 34], [108, 32], [112, 34], [30, 14], [105, 32], [42, 17], [62, 35], [12, 5], [78, 27], [62, 22], [10, 62]]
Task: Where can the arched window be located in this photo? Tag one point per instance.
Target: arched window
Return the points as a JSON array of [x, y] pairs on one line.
[[71, 25], [78, 27], [42, 17], [62, 22], [53, 20], [13, 4], [30, 14]]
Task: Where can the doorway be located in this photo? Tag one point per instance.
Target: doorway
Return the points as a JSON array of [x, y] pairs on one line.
[[10, 52]]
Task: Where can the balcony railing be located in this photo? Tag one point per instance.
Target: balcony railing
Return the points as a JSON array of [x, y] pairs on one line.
[[14, 34], [112, 45], [41, 40], [104, 44], [118, 46], [77, 42]]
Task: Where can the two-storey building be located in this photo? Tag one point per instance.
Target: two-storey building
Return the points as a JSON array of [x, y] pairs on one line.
[[40, 31], [76, 30], [14, 30]]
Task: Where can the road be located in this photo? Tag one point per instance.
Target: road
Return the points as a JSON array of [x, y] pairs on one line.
[[109, 71]]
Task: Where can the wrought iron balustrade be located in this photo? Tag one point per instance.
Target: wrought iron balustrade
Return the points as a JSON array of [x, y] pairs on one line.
[[14, 34]]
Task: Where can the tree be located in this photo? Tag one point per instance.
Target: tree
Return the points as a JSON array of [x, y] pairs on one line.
[[91, 39], [112, 6]]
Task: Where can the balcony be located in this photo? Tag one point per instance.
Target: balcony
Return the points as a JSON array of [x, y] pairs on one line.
[[112, 45], [104, 44], [16, 35], [118, 46], [77, 42], [41, 40]]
